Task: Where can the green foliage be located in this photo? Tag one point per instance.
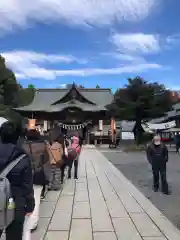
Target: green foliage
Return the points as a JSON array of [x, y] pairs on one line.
[[147, 137], [139, 101], [31, 86], [26, 96], [8, 90], [97, 86], [12, 93]]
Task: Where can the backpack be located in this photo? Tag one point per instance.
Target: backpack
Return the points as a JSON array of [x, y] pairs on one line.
[[7, 205], [55, 153]]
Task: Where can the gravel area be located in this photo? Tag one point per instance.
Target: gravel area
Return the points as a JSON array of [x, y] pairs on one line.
[[136, 168]]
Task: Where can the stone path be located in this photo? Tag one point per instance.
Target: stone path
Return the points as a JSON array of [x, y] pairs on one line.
[[102, 204]]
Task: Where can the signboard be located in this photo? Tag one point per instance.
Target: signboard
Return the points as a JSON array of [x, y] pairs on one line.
[[127, 136]]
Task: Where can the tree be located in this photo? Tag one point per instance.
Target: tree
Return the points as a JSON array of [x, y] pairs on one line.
[[140, 101], [12, 94], [97, 86], [8, 85], [8, 88], [31, 86], [26, 96]]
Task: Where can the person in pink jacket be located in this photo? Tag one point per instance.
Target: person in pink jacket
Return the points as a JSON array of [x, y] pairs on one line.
[[75, 145]]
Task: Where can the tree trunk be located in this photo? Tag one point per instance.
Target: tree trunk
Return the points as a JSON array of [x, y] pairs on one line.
[[138, 132]]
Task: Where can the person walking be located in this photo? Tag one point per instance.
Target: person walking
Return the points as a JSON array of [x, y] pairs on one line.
[[55, 149], [36, 149], [73, 156], [20, 178], [157, 155], [65, 144], [177, 142]]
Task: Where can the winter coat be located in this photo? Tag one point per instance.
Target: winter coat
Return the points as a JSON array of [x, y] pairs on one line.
[[177, 140], [157, 155], [20, 177], [40, 159], [75, 144]]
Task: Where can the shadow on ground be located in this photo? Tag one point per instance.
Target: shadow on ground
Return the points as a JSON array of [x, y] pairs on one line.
[[136, 168]]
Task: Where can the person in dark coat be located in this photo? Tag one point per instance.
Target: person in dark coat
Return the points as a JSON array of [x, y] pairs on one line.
[[20, 178], [177, 142], [157, 155]]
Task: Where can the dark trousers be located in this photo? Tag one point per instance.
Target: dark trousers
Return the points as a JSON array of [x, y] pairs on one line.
[[54, 183], [75, 162], [14, 230], [160, 170], [177, 148], [63, 167], [44, 190]]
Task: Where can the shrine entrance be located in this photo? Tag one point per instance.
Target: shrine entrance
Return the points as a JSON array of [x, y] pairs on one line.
[[75, 109], [82, 130]]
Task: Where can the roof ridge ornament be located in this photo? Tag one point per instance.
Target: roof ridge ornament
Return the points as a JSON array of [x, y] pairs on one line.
[[73, 85], [74, 90]]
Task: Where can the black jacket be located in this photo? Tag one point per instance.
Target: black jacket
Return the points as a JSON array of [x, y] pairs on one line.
[[157, 155], [20, 178]]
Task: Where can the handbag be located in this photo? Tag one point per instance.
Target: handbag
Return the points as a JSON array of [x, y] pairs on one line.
[[72, 154]]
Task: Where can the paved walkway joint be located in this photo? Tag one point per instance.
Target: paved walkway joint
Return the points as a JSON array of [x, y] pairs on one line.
[[101, 205]]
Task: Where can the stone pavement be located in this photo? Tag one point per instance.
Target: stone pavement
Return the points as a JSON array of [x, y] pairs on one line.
[[102, 204]]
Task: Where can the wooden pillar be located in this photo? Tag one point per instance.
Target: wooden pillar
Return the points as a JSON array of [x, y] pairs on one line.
[[113, 129]]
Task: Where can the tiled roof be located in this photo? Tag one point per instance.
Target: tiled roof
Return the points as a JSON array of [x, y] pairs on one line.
[[44, 98]]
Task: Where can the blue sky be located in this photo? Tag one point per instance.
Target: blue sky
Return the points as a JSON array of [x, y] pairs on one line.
[[50, 43]]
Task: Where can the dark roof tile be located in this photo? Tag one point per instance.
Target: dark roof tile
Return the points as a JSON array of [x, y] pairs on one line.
[[44, 98]]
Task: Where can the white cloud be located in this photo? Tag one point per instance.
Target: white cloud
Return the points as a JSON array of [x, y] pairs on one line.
[[54, 85], [27, 64], [21, 13], [172, 40], [63, 85], [51, 74], [31, 58], [136, 43], [125, 57], [32, 65]]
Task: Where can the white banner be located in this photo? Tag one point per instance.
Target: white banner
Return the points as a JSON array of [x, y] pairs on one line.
[[160, 126], [45, 125], [74, 127], [101, 125]]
